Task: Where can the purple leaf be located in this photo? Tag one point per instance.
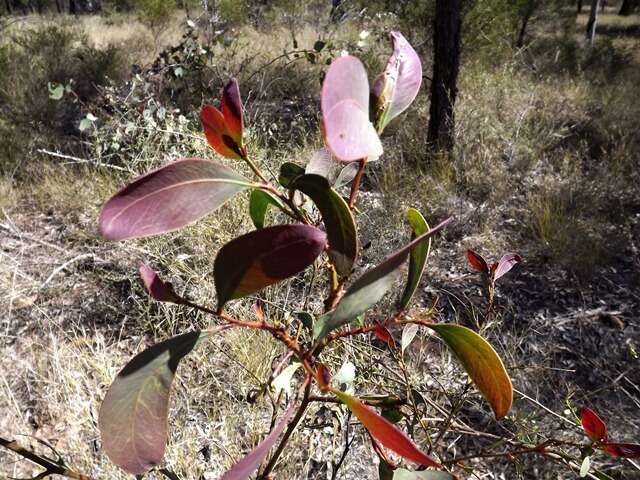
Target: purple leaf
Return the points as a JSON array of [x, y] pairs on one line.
[[347, 131], [250, 463], [169, 198], [264, 257], [156, 287], [133, 415], [398, 85], [506, 263]]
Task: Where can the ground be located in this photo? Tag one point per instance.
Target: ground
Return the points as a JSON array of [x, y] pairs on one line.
[[546, 165]]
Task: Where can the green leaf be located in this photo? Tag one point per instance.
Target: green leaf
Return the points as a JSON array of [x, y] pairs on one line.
[[288, 172], [402, 474], [385, 472], [56, 91], [418, 258], [585, 467], [259, 202], [482, 363], [85, 124], [133, 415], [337, 218], [283, 380], [346, 175], [372, 286], [306, 319], [263, 257], [408, 334]]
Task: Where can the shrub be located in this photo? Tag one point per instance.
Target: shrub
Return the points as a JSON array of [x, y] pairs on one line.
[[51, 76], [183, 191]]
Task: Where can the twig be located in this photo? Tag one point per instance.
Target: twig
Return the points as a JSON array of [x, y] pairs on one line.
[[52, 467], [65, 265], [77, 159]]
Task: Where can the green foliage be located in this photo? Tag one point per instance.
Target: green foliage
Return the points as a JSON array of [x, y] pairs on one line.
[[35, 62], [234, 12], [155, 13]]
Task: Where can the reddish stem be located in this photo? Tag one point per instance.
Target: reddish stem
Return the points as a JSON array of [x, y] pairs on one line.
[[355, 185]]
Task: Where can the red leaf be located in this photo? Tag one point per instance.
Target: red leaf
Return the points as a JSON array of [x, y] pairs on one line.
[[385, 335], [624, 450], [385, 432], [156, 287], [593, 425], [217, 132], [506, 263], [477, 262]]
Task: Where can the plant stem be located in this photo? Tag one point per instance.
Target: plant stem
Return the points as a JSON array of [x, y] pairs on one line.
[[292, 426], [255, 169], [356, 183], [51, 467]]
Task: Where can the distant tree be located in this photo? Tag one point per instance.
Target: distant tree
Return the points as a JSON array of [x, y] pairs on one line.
[[579, 6], [446, 47], [628, 6], [591, 24], [526, 10]]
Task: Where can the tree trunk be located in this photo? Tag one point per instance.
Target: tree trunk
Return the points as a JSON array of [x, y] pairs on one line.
[[591, 24], [579, 6], [603, 6], [446, 47], [73, 8], [8, 5], [59, 6]]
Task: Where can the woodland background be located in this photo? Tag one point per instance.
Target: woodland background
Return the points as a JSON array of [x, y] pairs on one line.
[[543, 160]]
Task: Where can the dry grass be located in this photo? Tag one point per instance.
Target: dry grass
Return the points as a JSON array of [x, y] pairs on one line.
[[538, 158]]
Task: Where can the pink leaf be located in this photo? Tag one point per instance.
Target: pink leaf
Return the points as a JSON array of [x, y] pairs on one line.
[[399, 84], [347, 130], [506, 263], [250, 463]]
